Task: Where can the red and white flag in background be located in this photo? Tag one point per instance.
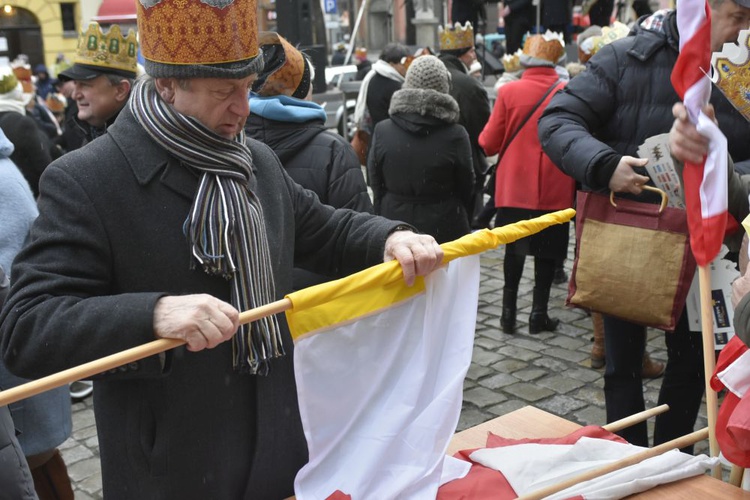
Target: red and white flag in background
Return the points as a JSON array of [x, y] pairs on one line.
[[705, 184], [733, 423]]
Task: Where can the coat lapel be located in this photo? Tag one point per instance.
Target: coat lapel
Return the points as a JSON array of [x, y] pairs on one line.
[[147, 159]]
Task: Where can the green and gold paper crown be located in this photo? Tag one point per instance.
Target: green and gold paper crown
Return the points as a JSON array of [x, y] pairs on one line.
[[8, 80], [108, 52], [731, 72], [456, 37]]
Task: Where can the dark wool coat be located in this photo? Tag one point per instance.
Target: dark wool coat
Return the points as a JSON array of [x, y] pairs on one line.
[[107, 245], [318, 160], [32, 148], [420, 166], [474, 106], [379, 93], [624, 97]]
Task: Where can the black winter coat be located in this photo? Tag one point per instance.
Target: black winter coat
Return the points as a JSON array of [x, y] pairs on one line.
[[318, 160], [32, 147], [420, 166], [379, 93], [474, 106], [108, 243], [624, 97]]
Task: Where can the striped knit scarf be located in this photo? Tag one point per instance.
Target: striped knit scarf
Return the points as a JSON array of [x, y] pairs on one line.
[[225, 228]]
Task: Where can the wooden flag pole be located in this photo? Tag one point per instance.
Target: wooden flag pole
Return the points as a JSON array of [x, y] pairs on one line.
[[680, 442], [635, 418], [122, 358], [709, 361], [735, 475]]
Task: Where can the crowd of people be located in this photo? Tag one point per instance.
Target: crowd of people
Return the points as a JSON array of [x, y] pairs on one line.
[[161, 201]]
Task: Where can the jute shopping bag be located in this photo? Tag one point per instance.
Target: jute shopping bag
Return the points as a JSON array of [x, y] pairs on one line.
[[633, 260]]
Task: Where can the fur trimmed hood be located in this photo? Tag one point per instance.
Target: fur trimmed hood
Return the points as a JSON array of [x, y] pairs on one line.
[[425, 102]]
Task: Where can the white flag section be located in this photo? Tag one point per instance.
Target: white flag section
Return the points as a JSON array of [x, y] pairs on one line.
[[380, 388], [530, 467]]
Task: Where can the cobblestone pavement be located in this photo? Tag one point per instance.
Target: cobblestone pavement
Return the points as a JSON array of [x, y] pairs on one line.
[[549, 370]]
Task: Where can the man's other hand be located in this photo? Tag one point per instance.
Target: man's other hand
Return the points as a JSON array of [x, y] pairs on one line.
[[418, 254], [624, 179]]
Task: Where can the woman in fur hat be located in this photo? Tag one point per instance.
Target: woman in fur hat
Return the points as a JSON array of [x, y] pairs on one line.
[[420, 167]]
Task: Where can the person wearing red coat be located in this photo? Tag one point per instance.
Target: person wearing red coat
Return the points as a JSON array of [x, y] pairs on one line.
[[528, 184]]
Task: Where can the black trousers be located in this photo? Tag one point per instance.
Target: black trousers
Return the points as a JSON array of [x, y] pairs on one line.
[[682, 386]]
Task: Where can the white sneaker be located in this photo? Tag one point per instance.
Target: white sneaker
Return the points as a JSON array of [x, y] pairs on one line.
[[81, 389]]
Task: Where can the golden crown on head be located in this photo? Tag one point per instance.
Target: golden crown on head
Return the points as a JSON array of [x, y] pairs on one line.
[[550, 46], [108, 51], [22, 70], [512, 62], [456, 37], [731, 72]]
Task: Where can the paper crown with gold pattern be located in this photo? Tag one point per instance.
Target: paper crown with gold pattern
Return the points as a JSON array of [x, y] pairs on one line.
[[512, 62], [285, 69], [610, 34], [22, 70], [540, 50], [731, 72], [199, 38], [56, 102], [101, 53], [456, 37]]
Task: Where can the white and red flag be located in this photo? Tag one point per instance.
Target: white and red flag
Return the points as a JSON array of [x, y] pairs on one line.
[[733, 424], [706, 183], [380, 368]]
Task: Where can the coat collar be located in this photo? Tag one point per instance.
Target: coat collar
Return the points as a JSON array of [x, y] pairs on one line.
[[146, 158]]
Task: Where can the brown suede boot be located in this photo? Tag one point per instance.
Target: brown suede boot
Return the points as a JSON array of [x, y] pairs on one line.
[[651, 368], [51, 479], [597, 350]]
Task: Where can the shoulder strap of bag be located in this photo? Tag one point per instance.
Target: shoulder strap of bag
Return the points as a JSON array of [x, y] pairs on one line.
[[526, 118]]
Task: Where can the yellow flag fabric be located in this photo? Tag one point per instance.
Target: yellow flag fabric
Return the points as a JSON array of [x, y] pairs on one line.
[[380, 367], [318, 306]]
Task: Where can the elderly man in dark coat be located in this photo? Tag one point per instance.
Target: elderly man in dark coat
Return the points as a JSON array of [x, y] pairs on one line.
[[166, 227], [457, 53]]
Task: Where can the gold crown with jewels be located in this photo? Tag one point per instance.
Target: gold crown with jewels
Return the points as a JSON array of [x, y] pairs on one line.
[[108, 52], [456, 37], [731, 72]]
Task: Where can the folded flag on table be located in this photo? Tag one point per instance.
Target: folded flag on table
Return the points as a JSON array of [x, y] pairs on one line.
[[380, 368], [507, 468], [733, 422]]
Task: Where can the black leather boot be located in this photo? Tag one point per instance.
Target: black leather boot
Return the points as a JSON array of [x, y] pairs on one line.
[[539, 321], [508, 318]]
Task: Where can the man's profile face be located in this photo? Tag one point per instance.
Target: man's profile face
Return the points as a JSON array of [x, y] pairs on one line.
[[99, 99], [221, 104], [727, 20], [469, 57]]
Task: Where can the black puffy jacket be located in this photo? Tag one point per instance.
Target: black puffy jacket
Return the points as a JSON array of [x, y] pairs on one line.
[[318, 160], [624, 97]]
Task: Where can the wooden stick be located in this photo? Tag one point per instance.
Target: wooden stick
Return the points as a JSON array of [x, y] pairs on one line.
[[122, 358], [735, 475], [709, 361], [626, 422], [680, 442]]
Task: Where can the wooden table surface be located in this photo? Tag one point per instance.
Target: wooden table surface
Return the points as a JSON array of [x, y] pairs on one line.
[[530, 422]]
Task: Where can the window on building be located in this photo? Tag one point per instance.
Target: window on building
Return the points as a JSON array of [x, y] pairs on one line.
[[68, 14]]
